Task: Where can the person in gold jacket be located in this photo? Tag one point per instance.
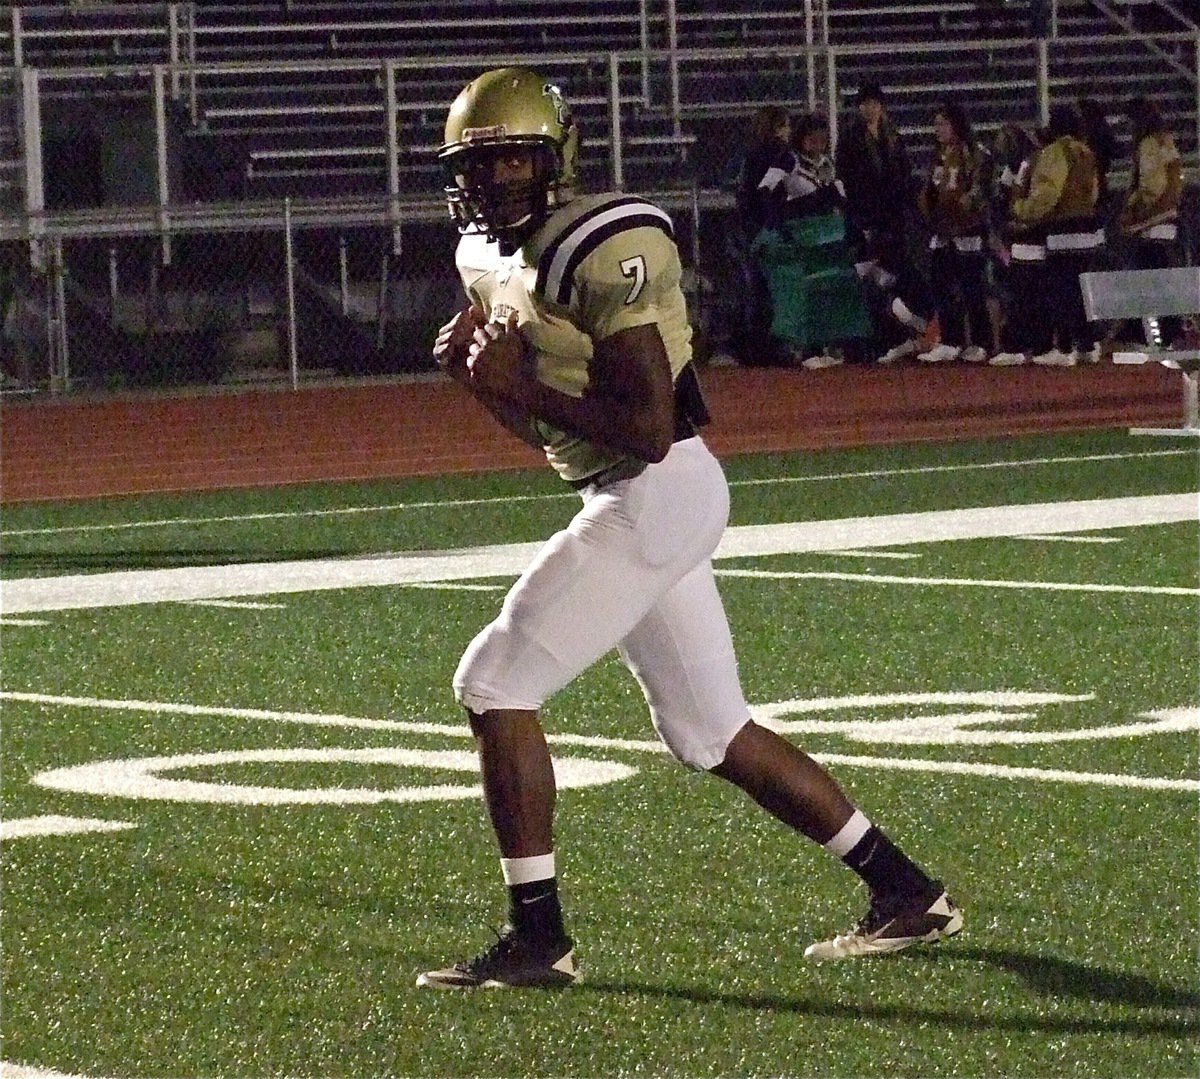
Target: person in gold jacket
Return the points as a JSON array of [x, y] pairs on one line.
[[1060, 210], [1150, 214], [1149, 217], [953, 203]]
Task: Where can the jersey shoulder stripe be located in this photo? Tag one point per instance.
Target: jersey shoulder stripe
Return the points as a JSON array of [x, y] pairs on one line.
[[562, 256]]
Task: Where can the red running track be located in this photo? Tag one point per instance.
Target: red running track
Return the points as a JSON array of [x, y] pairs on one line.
[[73, 448]]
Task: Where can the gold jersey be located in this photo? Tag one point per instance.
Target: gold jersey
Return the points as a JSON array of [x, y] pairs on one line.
[[600, 264]]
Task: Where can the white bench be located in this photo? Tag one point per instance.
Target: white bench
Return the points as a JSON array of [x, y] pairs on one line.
[[1148, 294]]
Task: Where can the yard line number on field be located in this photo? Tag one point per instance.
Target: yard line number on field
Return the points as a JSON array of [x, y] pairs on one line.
[[946, 718]]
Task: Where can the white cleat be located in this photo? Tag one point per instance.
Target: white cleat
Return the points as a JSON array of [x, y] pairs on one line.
[[890, 926]]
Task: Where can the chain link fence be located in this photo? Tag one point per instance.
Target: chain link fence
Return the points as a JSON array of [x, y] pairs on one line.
[[266, 304]]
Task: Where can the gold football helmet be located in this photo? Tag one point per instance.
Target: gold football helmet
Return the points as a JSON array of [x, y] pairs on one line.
[[508, 113]]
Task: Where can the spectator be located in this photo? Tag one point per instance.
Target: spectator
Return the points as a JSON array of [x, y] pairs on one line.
[[1097, 132], [759, 197], [874, 167], [816, 298], [1061, 207], [769, 161], [1149, 216], [791, 207], [1019, 252], [1015, 268], [953, 203]]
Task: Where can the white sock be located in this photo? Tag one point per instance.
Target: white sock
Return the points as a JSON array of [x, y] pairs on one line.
[[527, 870], [848, 835]]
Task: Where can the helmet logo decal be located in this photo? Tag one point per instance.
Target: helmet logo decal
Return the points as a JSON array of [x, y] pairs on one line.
[[495, 131], [556, 99]]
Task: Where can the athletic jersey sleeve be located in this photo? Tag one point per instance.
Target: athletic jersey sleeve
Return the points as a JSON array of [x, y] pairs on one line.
[[627, 280]]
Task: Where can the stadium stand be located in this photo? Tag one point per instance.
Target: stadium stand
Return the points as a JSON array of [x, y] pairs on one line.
[[299, 88], [327, 103]]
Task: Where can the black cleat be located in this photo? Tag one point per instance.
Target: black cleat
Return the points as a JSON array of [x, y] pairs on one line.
[[513, 962]]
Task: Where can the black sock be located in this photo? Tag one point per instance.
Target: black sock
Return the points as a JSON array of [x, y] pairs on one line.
[[534, 910], [887, 870]]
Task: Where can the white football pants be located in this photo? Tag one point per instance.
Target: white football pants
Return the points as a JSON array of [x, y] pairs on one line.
[[632, 571]]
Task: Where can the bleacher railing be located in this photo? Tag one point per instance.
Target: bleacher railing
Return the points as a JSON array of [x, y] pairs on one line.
[[644, 116], [679, 93]]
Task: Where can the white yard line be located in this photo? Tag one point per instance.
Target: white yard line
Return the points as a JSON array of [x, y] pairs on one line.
[[28, 827], [397, 507], [1068, 539], [284, 515], [961, 582], [894, 555], [9, 1070], [34, 594], [167, 708], [237, 604], [458, 586], [1003, 771]]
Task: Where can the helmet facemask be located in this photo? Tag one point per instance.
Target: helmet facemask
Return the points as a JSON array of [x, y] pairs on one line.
[[502, 120], [506, 209]]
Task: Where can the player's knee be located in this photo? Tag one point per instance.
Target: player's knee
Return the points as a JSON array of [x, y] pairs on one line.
[[698, 742], [488, 678]]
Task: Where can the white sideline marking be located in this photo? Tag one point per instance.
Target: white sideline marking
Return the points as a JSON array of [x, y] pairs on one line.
[[850, 553], [966, 582], [25, 827], [8, 1070], [458, 586], [237, 604], [508, 560], [1004, 771], [877, 473], [1068, 539], [316, 719], [24, 622]]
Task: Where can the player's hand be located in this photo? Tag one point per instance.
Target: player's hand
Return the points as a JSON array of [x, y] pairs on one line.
[[499, 360], [450, 349]]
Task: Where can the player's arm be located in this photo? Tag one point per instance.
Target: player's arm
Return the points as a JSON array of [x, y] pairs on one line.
[[629, 405]]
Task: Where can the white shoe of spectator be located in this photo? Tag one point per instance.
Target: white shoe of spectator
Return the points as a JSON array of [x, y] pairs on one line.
[[940, 354], [901, 352], [974, 354], [824, 359], [1007, 359], [1055, 358]]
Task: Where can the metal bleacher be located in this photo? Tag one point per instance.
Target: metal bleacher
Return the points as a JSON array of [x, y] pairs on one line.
[[301, 91], [159, 155]]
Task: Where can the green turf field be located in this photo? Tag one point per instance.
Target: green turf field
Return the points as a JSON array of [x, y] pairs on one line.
[[240, 810]]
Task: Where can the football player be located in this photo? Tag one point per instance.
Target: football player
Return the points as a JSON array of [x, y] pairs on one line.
[[575, 336]]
